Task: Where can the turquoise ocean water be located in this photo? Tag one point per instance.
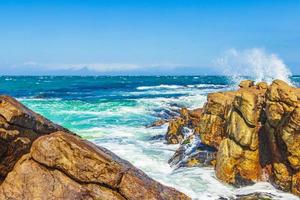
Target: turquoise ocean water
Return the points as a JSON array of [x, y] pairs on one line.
[[114, 111]]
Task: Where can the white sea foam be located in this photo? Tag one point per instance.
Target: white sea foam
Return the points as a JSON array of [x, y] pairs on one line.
[[131, 140], [159, 87], [152, 157], [255, 63]]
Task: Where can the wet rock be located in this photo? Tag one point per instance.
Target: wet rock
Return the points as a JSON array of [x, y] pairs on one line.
[[46, 161], [31, 180], [19, 127], [174, 134], [235, 164], [283, 117], [193, 153], [256, 132], [211, 127], [246, 84], [262, 85], [158, 123], [177, 127], [255, 196], [199, 158]]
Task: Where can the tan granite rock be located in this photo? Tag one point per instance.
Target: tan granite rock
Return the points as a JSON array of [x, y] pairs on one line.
[[256, 132], [246, 84], [41, 160], [19, 127]]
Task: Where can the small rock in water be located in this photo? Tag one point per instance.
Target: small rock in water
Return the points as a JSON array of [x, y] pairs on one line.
[[158, 123], [157, 137]]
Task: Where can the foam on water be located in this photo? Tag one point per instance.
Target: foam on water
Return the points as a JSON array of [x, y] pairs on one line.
[[119, 124], [163, 86], [152, 157]]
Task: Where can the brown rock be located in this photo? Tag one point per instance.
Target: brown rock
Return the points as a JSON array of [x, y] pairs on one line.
[[262, 85], [282, 176], [283, 118], [41, 160], [296, 184], [19, 127], [290, 134], [281, 91], [246, 84], [211, 130], [235, 165], [31, 180], [187, 118], [256, 131], [158, 123], [211, 127], [174, 134], [219, 103], [243, 120], [78, 159]]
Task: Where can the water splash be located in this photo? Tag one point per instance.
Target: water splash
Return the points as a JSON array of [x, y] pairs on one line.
[[254, 63]]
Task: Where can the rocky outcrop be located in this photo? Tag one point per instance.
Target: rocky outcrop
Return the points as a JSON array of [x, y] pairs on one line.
[[255, 132], [238, 156], [19, 127], [41, 160], [283, 135], [211, 127], [188, 119]]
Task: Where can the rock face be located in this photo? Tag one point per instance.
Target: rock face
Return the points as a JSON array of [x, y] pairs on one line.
[[256, 133], [283, 131], [41, 160], [238, 155], [189, 119], [211, 127], [19, 126]]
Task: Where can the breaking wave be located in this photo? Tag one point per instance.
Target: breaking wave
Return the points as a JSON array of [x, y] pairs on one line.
[[254, 63]]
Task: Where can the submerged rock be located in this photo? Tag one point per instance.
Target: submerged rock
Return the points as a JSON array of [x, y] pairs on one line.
[[41, 160]]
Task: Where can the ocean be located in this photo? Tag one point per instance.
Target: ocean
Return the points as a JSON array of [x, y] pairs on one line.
[[114, 112]]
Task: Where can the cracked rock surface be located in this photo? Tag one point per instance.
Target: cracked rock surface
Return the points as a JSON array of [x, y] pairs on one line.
[[41, 160], [255, 131]]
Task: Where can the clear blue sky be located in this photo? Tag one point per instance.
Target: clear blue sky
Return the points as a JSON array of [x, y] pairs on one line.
[[135, 37]]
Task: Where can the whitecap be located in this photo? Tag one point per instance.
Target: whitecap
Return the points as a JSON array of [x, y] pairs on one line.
[[159, 87]]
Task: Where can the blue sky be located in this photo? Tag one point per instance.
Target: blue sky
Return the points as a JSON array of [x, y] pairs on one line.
[[143, 37]]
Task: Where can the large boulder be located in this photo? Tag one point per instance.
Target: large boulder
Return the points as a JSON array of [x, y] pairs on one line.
[[41, 160], [238, 156], [283, 122], [256, 132], [19, 127], [211, 127]]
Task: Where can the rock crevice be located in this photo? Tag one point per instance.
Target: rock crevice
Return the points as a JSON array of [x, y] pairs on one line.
[[41, 160], [256, 132]]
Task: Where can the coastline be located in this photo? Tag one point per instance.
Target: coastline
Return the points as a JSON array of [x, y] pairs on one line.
[[41, 160], [249, 135], [134, 142]]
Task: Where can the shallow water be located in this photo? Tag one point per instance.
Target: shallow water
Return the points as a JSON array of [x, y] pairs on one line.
[[113, 112]]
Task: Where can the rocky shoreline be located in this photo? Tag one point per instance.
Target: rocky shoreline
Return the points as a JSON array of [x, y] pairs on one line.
[[42, 160], [248, 135]]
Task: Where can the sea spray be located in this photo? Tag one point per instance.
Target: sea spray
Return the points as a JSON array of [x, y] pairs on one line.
[[253, 63], [114, 111]]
